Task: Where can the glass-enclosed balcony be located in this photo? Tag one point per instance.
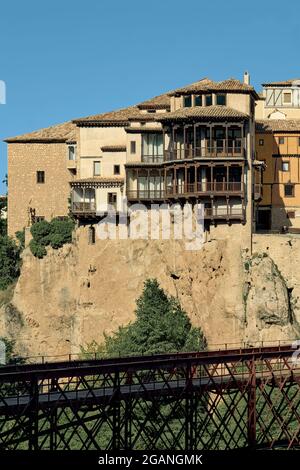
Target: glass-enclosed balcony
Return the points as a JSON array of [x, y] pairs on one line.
[[197, 141], [191, 181], [152, 148]]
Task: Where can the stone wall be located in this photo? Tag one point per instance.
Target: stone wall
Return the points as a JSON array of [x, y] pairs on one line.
[[49, 199]]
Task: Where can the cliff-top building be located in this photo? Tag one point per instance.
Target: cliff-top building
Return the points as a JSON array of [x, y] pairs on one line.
[[278, 146], [196, 143]]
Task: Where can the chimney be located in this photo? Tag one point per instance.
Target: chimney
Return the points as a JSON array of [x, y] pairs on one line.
[[246, 78]]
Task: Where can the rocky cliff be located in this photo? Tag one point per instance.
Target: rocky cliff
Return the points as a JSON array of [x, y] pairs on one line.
[[77, 293]]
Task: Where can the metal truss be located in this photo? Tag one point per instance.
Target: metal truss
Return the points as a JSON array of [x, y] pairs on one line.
[[247, 398]]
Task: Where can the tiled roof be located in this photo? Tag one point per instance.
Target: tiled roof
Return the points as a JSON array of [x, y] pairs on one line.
[[158, 102], [122, 116], [207, 85], [277, 125], [119, 117], [113, 148], [283, 83], [59, 133], [97, 180], [208, 112], [137, 130]]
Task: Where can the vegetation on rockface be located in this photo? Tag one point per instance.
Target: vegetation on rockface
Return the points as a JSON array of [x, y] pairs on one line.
[[161, 326], [55, 234], [10, 261], [20, 236], [3, 221]]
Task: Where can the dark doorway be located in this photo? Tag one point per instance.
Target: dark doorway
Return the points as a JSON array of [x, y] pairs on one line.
[[263, 219]]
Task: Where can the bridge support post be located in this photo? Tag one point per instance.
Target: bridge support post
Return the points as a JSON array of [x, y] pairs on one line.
[[116, 436], [33, 415], [127, 424], [252, 406], [189, 411]]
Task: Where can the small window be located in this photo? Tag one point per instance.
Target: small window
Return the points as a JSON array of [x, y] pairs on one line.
[[281, 140], [91, 235], [112, 200], [285, 166], [221, 100], [72, 153], [187, 101], [198, 100], [208, 100], [287, 98], [151, 110], [97, 168], [289, 190], [132, 146], [40, 177], [39, 218], [261, 142], [116, 169], [291, 215]]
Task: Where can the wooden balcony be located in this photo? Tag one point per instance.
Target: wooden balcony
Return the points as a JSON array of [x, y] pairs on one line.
[[220, 148], [227, 213], [84, 207], [152, 158], [188, 189]]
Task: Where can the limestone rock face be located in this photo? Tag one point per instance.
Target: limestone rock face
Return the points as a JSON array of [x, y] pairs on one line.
[[76, 294]]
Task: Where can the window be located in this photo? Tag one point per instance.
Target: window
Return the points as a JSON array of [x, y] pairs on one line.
[[91, 235], [116, 169], [40, 177], [291, 215], [187, 101], [39, 218], [289, 190], [281, 140], [208, 100], [112, 199], [132, 146], [287, 98], [72, 153], [97, 168], [261, 142], [221, 100], [198, 100], [152, 144], [285, 166], [151, 111]]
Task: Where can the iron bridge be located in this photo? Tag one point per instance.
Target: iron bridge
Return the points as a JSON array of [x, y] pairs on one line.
[[241, 398]]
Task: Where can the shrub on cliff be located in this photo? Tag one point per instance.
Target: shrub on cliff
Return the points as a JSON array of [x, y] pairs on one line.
[[3, 221], [55, 234], [9, 261], [161, 326]]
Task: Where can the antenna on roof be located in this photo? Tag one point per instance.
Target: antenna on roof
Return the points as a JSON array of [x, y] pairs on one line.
[[246, 78]]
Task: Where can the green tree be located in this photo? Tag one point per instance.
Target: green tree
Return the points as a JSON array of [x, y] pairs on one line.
[[9, 261], [55, 233], [161, 326]]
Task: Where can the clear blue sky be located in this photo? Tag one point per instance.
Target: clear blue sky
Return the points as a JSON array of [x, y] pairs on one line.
[[65, 59]]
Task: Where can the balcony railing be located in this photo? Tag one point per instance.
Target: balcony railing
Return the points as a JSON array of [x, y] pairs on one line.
[[152, 158], [221, 148], [83, 207], [224, 212], [188, 189]]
